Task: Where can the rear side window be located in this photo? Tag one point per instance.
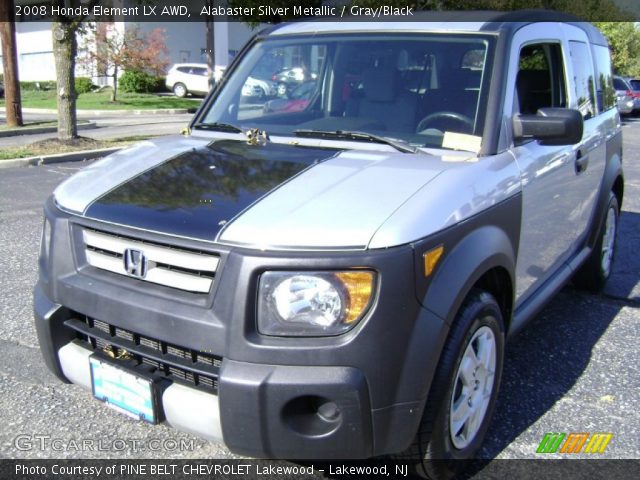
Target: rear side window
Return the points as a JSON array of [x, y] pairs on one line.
[[583, 78], [605, 93], [635, 84]]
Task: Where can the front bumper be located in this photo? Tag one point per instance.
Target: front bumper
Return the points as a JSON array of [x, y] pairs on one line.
[[273, 397], [261, 410]]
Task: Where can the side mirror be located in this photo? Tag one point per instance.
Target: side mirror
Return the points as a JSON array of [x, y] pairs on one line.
[[551, 126]]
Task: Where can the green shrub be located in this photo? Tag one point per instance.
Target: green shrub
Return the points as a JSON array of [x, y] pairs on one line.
[[134, 81], [44, 85], [83, 85], [161, 85]]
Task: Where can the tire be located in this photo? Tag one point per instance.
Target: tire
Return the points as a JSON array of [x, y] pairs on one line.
[[595, 271], [180, 90], [443, 443]]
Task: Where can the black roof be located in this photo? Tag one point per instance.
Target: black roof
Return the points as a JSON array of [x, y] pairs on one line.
[[516, 19], [495, 21]]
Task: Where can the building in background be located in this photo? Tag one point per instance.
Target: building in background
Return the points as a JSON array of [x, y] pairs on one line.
[[186, 42]]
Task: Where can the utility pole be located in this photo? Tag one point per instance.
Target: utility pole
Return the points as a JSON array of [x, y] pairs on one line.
[[10, 64]]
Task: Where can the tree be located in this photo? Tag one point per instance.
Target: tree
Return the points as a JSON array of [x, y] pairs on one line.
[[112, 51], [10, 64], [624, 42], [65, 47], [210, 49]]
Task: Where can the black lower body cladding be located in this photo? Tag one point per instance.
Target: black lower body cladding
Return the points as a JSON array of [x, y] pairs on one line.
[[326, 409], [278, 397]]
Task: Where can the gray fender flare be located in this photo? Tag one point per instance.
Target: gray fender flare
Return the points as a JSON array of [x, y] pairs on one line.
[[613, 171], [478, 252]]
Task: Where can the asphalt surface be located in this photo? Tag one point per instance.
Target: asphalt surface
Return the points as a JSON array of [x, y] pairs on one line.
[[574, 369]]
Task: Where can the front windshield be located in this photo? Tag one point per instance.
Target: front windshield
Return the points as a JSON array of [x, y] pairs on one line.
[[417, 88]]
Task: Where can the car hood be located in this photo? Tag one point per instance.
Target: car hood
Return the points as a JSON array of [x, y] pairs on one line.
[[276, 196]]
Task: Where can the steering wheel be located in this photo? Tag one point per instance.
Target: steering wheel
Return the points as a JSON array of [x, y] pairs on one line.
[[445, 117]]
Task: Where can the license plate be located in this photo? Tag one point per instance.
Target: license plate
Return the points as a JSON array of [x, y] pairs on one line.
[[128, 393]]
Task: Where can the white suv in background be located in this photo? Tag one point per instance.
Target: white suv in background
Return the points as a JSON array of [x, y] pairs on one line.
[[184, 78]]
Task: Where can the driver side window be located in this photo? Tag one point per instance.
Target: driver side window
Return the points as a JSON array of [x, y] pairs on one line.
[[540, 81]]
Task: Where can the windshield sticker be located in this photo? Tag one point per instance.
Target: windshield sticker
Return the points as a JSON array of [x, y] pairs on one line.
[[461, 141]]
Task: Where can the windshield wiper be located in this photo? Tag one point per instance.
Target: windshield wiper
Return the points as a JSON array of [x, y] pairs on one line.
[[219, 127], [357, 136]]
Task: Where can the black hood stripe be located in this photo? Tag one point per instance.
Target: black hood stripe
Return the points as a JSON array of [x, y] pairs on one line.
[[196, 193]]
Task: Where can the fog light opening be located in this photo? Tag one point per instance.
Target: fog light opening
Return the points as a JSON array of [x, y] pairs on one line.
[[312, 416]]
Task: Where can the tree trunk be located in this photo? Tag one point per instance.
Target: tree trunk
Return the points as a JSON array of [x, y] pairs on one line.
[[115, 84], [211, 58], [64, 52], [10, 65]]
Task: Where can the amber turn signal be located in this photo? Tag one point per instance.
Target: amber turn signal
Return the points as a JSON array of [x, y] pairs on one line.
[[431, 259], [359, 285]]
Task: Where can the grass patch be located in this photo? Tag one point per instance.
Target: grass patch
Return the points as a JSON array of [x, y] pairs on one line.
[[102, 101], [52, 145]]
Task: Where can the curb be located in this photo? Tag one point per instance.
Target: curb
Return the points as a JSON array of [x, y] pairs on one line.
[[97, 113], [58, 158], [36, 130]]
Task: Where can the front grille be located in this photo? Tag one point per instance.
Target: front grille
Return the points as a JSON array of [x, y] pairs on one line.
[[189, 270], [192, 367]]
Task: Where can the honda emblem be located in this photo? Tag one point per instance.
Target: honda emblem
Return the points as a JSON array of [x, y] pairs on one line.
[[135, 263]]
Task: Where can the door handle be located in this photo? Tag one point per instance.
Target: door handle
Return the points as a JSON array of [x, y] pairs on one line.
[[582, 162]]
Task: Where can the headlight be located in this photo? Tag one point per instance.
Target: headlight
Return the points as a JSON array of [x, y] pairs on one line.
[[313, 303]]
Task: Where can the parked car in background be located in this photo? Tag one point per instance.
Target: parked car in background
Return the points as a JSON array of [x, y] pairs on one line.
[[1, 90], [625, 88], [625, 104], [289, 78], [185, 78], [256, 88]]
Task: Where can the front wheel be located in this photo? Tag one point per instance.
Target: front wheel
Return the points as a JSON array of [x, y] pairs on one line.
[[596, 270], [464, 390], [180, 90]]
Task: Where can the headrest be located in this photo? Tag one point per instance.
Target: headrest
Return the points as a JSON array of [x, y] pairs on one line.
[[402, 61], [533, 81], [534, 90], [380, 84]]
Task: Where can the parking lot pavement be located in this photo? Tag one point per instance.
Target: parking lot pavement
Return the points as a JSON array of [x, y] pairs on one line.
[[574, 369], [110, 127]]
